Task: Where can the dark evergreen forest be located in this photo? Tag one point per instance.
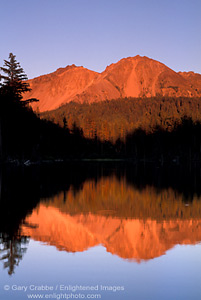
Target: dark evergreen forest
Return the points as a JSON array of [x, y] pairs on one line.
[[142, 129], [164, 131]]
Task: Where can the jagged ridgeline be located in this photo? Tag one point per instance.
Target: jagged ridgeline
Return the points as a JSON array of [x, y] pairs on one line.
[[116, 119], [130, 77], [136, 92]]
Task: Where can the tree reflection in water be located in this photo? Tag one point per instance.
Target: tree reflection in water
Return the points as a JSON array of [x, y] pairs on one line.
[[12, 250]]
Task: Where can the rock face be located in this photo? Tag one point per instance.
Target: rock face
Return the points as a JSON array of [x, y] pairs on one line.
[[130, 77], [134, 239], [194, 78], [60, 87]]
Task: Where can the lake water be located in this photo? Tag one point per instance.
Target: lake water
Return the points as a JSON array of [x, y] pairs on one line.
[[100, 232]]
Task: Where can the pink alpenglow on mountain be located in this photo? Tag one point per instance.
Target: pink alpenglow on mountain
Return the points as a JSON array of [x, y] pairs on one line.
[[130, 77]]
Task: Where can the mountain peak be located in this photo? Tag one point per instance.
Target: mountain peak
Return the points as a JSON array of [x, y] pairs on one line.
[[138, 76], [67, 67]]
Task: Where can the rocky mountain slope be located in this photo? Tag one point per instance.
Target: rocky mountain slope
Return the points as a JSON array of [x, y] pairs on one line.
[[130, 77]]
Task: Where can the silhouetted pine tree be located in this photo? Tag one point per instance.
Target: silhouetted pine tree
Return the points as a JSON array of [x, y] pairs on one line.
[[13, 113], [13, 80]]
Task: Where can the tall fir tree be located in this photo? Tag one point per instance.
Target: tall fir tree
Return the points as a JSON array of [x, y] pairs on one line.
[[13, 108], [13, 80]]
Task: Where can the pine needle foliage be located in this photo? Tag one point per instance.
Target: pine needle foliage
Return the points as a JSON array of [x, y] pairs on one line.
[[14, 77]]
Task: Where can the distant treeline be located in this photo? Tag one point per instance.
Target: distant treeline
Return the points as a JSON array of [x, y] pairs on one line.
[[115, 119], [158, 129]]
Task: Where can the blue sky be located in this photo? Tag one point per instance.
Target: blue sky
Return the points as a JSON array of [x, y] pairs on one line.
[[45, 34]]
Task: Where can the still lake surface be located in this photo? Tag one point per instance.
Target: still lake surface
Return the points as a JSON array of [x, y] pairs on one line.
[[100, 231]]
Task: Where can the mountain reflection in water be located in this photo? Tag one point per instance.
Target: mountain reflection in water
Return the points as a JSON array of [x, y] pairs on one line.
[[130, 223], [137, 215], [132, 239]]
